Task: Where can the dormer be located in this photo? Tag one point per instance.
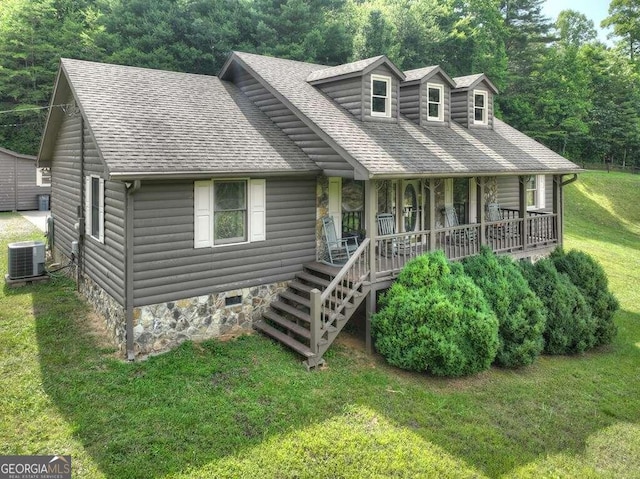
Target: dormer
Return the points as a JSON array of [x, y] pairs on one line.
[[472, 101], [425, 96], [368, 89]]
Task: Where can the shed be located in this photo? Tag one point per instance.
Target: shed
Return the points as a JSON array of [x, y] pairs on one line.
[[21, 181]]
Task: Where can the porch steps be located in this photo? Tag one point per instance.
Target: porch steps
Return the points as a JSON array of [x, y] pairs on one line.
[[288, 318]]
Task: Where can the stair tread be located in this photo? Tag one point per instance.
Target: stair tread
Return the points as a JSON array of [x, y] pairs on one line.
[[284, 339], [287, 308], [323, 268], [313, 279], [285, 323], [291, 296], [298, 286]]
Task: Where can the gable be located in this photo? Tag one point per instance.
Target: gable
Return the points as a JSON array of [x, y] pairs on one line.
[[153, 123]]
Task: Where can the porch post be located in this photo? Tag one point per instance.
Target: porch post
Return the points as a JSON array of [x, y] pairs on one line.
[[371, 226], [557, 206], [370, 209], [432, 214], [523, 211], [480, 203]]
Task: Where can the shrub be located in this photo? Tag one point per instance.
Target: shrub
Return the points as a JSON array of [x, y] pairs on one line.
[[570, 324], [590, 278], [521, 315], [435, 319]]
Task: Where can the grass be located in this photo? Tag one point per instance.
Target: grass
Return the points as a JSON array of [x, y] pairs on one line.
[[246, 408]]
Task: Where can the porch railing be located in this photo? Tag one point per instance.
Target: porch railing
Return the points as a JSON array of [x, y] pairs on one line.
[[512, 234]]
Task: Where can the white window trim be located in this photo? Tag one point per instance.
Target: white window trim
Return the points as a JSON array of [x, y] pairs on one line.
[[387, 103], [440, 116], [88, 197], [485, 109], [39, 178], [539, 193], [204, 213]]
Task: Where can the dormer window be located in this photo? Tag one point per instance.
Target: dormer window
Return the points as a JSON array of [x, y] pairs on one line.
[[480, 107], [380, 95], [435, 102]]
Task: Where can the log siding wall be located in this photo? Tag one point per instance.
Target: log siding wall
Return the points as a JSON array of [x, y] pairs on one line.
[[102, 262], [462, 107], [316, 149], [366, 95], [167, 267], [347, 93]]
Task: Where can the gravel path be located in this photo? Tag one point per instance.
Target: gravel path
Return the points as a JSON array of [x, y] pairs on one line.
[[13, 225]]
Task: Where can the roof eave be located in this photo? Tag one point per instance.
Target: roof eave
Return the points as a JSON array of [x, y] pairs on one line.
[[463, 174], [197, 175]]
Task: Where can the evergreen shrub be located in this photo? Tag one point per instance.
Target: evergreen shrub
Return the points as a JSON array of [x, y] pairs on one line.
[[589, 276], [571, 327], [435, 319], [521, 315]]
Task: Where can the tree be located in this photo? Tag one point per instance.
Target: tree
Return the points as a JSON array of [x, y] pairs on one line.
[[33, 37], [624, 17], [575, 29]]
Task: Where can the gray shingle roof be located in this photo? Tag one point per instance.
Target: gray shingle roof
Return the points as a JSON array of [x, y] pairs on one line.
[[469, 81], [405, 148], [155, 122], [419, 73], [324, 72]]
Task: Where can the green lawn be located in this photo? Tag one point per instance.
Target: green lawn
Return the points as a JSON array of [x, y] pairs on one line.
[[246, 408]]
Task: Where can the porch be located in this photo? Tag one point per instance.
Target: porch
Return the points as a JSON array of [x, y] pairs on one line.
[[519, 237]]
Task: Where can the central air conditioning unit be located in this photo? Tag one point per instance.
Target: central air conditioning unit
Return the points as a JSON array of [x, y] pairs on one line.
[[26, 259]]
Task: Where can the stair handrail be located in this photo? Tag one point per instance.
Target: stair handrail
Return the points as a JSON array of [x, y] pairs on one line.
[[345, 269], [318, 299]]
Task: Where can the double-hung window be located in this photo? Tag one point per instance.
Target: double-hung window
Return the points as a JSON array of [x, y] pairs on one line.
[[380, 95], [435, 102], [480, 107], [94, 207], [229, 211], [43, 176], [535, 192]]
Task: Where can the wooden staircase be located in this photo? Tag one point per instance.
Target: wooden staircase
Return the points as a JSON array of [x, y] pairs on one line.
[[318, 303]]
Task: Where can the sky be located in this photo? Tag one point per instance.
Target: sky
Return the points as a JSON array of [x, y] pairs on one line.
[[595, 10]]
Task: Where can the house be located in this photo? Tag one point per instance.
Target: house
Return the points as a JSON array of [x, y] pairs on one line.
[[195, 201], [21, 182]]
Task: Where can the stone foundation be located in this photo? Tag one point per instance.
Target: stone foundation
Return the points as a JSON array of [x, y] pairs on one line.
[[159, 327], [109, 309]]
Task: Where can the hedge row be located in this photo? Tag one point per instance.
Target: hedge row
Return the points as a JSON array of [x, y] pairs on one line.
[[455, 319]]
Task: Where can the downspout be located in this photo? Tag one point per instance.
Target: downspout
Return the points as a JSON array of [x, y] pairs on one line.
[[571, 180], [128, 270], [81, 209]]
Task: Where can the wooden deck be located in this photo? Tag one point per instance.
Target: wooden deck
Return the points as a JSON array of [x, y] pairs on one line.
[[512, 236]]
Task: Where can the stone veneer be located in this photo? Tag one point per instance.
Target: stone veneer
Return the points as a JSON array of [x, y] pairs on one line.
[[159, 327], [108, 308], [322, 209]]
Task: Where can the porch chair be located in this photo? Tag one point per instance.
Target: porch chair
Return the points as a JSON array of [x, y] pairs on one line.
[[457, 236], [337, 250], [387, 226], [499, 230]]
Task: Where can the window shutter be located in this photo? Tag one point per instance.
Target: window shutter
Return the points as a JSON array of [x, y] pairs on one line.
[[257, 210], [203, 214], [87, 205], [101, 210], [540, 203]]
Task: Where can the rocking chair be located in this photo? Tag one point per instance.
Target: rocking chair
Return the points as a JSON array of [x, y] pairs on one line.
[[461, 236], [337, 250]]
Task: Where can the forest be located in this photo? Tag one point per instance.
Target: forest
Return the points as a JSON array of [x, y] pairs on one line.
[[558, 83]]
